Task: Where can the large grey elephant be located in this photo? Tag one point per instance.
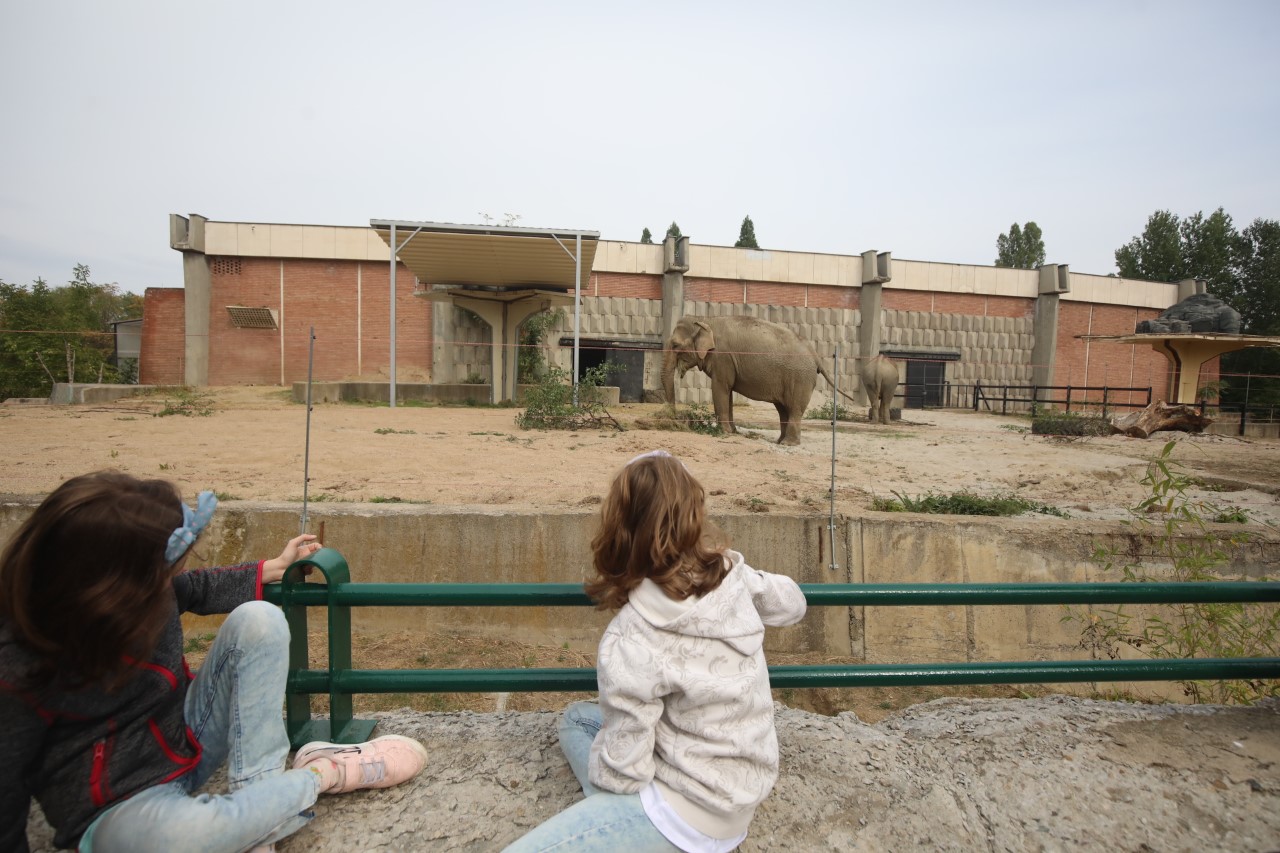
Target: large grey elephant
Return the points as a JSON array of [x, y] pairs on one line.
[[755, 358], [880, 380]]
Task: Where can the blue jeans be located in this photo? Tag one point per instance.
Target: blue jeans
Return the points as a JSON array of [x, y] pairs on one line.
[[604, 822], [234, 708]]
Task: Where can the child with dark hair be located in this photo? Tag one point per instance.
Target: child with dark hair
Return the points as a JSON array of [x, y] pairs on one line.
[[681, 747], [104, 724]]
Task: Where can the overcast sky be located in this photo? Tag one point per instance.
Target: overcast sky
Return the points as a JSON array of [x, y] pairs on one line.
[[920, 128]]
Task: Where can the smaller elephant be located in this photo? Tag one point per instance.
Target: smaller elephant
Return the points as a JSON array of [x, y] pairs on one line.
[[880, 379]]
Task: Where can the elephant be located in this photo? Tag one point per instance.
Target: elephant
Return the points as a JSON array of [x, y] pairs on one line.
[[752, 357], [880, 380]]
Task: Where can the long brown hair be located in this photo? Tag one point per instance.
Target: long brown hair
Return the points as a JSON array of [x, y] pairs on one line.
[[653, 525], [84, 583]]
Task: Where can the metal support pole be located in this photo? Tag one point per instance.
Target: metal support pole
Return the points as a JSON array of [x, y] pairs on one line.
[[577, 305], [835, 410], [394, 251], [306, 452]]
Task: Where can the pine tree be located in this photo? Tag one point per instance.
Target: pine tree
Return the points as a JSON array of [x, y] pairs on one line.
[[747, 236], [645, 236], [1022, 248], [673, 230]]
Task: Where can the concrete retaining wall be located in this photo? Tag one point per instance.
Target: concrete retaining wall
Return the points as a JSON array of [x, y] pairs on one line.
[[425, 544]]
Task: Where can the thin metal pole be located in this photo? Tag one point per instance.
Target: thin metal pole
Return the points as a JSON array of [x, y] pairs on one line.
[[577, 302], [394, 250], [835, 409], [306, 453]]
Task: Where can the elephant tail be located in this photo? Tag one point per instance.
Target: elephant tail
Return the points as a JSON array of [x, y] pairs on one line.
[[826, 374]]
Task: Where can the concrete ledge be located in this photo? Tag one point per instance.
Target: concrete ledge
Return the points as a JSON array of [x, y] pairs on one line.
[[380, 392], [67, 393]]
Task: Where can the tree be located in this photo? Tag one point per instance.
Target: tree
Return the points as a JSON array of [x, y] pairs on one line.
[[673, 230], [1022, 248], [1170, 249], [1242, 269], [747, 236], [60, 334], [645, 236]]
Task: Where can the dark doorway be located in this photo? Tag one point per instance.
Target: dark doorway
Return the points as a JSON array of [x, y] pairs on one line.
[[925, 383], [629, 377]]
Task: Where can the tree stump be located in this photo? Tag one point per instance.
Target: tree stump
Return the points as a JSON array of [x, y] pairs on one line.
[[1160, 416]]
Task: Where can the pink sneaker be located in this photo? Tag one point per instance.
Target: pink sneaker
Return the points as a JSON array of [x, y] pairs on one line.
[[379, 763]]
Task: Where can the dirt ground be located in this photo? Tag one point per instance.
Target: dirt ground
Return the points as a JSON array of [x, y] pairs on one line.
[[253, 445]]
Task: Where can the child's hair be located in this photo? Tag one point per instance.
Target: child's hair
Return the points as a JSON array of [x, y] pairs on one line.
[[652, 525], [82, 582]]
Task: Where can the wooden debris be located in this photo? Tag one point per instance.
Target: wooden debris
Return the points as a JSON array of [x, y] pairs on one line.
[[1160, 416]]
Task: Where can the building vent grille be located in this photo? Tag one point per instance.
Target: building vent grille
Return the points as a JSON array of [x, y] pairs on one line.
[[226, 266], [253, 318]]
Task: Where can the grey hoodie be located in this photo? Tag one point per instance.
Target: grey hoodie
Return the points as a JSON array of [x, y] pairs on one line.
[[684, 695]]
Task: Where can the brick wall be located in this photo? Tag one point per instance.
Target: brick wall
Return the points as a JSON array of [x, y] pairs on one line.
[[163, 357], [968, 304], [347, 303], [1102, 363], [626, 285]]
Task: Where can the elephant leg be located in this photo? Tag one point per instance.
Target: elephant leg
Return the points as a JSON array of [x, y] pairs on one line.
[[788, 425], [722, 401]]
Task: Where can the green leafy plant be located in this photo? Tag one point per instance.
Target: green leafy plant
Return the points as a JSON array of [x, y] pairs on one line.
[[1180, 539], [531, 364], [474, 378], [550, 404], [187, 402], [964, 503], [1054, 422], [390, 431], [823, 413]]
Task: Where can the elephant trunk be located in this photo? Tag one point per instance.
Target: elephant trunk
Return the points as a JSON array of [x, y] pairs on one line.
[[669, 377]]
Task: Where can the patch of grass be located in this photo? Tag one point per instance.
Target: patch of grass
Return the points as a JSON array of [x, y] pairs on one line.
[[187, 402], [823, 413], [1015, 428], [379, 499], [474, 379], [127, 418], [114, 454], [1232, 515], [965, 503], [165, 466], [197, 644], [225, 496], [390, 431]]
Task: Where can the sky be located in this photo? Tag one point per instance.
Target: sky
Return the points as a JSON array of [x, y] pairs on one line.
[[920, 128]]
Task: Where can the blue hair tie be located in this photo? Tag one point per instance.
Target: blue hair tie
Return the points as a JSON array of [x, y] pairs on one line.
[[193, 522]]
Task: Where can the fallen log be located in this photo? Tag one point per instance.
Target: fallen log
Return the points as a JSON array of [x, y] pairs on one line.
[[1160, 416]]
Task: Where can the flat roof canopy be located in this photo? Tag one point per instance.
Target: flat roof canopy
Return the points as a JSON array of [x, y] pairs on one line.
[[499, 256], [1187, 352]]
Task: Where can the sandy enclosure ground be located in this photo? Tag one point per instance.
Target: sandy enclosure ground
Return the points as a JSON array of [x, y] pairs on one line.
[[252, 447]]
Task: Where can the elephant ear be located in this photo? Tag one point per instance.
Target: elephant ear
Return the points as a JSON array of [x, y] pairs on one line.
[[704, 340]]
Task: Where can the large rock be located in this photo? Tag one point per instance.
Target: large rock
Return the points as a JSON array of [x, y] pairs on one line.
[[1052, 774], [1200, 312]]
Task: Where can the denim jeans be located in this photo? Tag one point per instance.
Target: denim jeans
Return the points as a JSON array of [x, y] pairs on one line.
[[604, 822], [234, 708]]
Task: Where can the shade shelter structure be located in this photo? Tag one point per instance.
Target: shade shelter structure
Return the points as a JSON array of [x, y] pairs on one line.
[[1187, 352], [503, 273]]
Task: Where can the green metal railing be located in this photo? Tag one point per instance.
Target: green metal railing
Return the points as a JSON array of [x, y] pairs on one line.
[[338, 595]]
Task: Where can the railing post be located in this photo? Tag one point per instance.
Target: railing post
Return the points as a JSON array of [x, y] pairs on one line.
[[1104, 400], [340, 727]]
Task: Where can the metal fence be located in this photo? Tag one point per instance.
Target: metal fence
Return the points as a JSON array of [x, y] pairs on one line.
[[1026, 396], [338, 595]]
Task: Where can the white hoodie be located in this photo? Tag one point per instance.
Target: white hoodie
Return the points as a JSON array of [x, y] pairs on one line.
[[684, 695]]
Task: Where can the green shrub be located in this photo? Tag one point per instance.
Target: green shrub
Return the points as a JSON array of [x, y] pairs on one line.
[[187, 402], [823, 413], [549, 404], [964, 503], [1052, 422], [1181, 539]]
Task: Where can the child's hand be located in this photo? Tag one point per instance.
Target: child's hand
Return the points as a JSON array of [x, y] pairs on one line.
[[295, 549]]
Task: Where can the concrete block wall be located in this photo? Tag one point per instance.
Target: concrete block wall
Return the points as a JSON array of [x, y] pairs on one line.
[[472, 346], [993, 349]]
